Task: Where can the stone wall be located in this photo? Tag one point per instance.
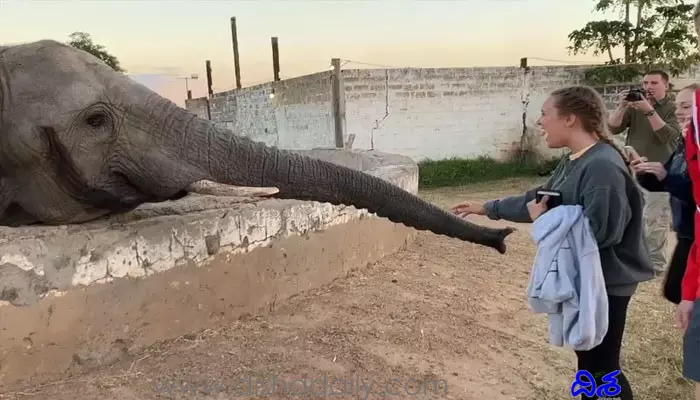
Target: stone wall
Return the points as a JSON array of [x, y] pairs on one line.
[[433, 113], [449, 112], [293, 114]]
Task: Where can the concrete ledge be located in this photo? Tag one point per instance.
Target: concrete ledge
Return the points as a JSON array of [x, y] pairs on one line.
[[78, 296]]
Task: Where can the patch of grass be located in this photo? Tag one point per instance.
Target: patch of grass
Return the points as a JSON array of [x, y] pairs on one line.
[[458, 172]]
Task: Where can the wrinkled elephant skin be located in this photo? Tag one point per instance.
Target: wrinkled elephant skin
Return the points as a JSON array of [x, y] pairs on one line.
[[79, 141]]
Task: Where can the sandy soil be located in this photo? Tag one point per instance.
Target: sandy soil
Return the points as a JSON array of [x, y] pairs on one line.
[[442, 319]]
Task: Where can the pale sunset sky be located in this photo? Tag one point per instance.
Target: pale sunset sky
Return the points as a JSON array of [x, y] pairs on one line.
[[158, 41]]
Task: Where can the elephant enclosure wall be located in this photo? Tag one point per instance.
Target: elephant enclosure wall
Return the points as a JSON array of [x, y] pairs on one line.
[[433, 113], [74, 297], [299, 115]]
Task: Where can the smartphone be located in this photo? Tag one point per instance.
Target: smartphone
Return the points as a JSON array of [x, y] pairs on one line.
[[554, 197], [632, 153]]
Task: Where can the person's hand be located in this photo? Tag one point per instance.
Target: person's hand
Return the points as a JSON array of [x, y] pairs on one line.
[[642, 105], [685, 308], [536, 209], [651, 167], [621, 99], [636, 161], [469, 207]]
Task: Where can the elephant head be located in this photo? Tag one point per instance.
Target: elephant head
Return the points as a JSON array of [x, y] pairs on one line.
[[79, 141]]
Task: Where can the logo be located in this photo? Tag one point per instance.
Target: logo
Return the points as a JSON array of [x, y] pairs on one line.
[[587, 385]]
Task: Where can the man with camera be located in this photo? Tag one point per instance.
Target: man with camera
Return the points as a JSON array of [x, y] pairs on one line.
[[653, 130]]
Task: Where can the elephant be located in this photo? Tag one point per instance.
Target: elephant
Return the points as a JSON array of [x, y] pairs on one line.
[[79, 141]]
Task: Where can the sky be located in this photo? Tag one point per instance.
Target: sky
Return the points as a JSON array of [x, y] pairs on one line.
[[159, 42]]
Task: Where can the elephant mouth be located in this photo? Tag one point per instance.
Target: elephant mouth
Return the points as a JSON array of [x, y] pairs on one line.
[[116, 193], [120, 194]]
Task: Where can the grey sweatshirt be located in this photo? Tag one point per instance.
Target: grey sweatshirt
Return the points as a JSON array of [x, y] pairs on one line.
[[600, 182]]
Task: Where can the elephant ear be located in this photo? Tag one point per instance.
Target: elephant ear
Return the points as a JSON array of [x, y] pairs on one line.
[[696, 18], [7, 189], [4, 88]]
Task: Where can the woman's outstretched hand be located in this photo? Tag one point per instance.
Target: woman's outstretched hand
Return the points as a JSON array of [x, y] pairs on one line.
[[462, 210]]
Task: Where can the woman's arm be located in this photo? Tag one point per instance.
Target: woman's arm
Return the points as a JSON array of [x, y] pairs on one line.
[[650, 182], [689, 284], [609, 213], [680, 186], [677, 181], [605, 203], [513, 208]]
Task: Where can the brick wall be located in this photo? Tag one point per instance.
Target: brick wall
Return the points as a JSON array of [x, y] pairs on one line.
[[298, 116], [450, 112], [422, 113]]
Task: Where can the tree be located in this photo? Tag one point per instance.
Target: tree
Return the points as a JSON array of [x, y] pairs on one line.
[[83, 41], [650, 33]]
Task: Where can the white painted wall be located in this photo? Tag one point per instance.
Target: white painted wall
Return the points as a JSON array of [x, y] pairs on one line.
[[298, 116], [421, 113]]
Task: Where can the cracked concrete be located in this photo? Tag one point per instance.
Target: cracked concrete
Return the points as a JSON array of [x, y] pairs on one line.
[[76, 296], [377, 122]]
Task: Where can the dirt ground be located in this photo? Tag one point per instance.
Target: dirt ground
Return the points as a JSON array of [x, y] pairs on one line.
[[442, 319]]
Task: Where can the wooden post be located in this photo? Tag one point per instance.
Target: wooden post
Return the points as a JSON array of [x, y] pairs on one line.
[[336, 97], [208, 66], [523, 62], [275, 59], [236, 61]]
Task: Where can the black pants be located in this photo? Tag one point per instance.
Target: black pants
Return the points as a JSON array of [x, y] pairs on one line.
[[676, 270], [605, 357]]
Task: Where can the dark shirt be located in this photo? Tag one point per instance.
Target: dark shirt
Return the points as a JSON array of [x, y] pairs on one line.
[[678, 184], [612, 200]]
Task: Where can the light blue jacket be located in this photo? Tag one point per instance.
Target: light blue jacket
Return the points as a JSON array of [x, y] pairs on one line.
[[566, 281]]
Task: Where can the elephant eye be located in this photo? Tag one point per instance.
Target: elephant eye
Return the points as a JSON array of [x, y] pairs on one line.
[[96, 120]]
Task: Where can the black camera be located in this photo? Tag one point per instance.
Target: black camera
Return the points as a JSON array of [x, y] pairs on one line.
[[636, 95]]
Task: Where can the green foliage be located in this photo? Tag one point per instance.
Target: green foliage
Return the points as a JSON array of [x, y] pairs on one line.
[[652, 34], [457, 172], [83, 41], [614, 73]]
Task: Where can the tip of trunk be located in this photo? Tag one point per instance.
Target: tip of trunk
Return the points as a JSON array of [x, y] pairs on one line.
[[498, 242]]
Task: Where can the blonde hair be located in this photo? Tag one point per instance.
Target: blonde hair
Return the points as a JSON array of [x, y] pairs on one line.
[[589, 107], [692, 86]]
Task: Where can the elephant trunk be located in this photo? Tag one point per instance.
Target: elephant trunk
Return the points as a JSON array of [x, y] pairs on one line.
[[220, 155]]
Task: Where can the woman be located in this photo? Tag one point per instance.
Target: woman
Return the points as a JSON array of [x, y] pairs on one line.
[[596, 176], [688, 312], [673, 177]]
